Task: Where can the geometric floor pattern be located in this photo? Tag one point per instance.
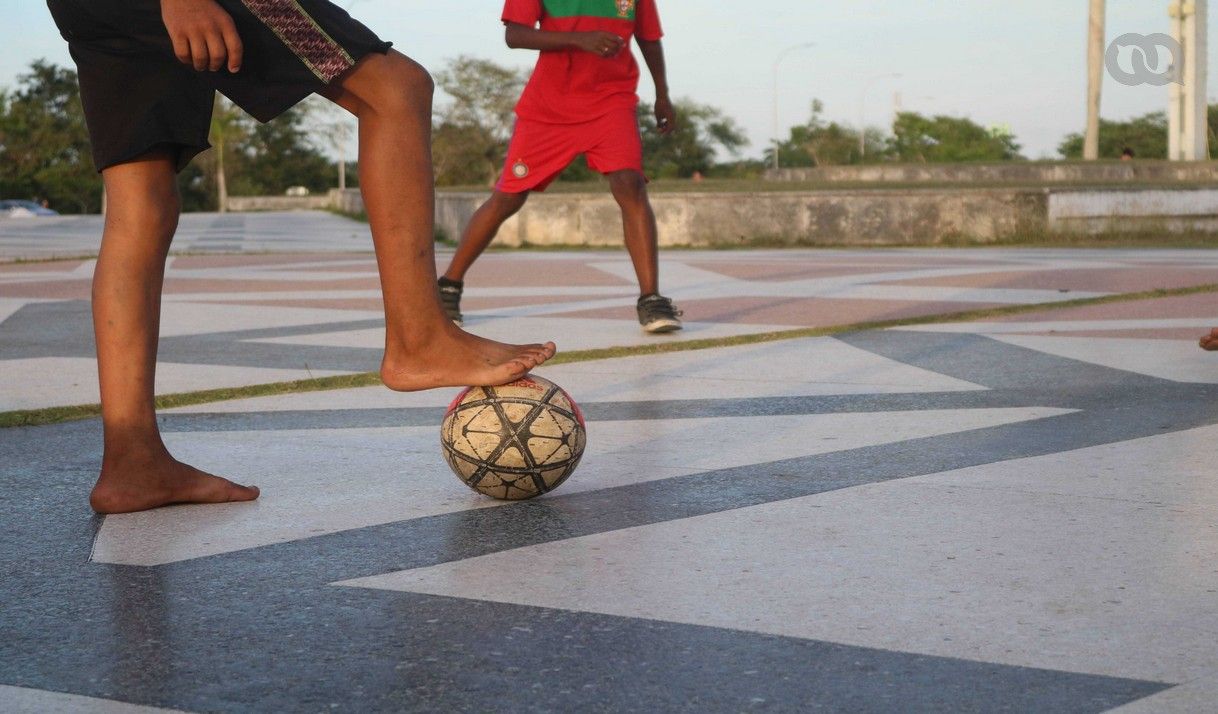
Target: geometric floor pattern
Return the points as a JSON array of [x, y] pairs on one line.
[[1011, 515], [270, 297]]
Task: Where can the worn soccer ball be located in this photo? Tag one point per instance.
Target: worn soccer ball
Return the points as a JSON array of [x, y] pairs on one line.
[[514, 442]]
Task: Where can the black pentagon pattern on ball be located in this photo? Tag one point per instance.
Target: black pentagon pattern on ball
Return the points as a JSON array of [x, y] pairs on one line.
[[511, 446]]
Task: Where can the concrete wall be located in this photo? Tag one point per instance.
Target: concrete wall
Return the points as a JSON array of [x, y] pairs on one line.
[[834, 217], [1171, 211], [1024, 172], [780, 218], [319, 202]]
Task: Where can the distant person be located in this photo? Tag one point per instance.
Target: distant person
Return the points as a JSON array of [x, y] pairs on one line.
[[148, 70], [581, 99], [1127, 154]]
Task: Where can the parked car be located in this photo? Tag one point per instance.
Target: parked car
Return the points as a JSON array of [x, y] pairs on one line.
[[24, 209]]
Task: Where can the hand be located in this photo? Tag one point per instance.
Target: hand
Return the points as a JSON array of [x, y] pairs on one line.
[[604, 44], [203, 34], [666, 116]]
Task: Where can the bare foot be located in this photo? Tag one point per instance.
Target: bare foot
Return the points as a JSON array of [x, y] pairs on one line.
[[455, 358], [141, 483], [1210, 341]]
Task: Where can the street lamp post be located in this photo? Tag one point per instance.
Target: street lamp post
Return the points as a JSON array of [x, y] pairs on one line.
[[778, 61], [863, 109]]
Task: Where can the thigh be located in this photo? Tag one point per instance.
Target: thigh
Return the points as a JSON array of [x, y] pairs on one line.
[[537, 154], [617, 144]]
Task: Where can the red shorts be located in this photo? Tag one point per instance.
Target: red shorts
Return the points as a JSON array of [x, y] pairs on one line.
[[540, 151]]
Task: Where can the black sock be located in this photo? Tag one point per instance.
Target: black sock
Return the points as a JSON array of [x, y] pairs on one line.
[[446, 283]]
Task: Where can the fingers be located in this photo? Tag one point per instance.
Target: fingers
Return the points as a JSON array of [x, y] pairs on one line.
[[203, 36], [217, 56], [609, 44], [232, 42], [198, 53], [181, 48]]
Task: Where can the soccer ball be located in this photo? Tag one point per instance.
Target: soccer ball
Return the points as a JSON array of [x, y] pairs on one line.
[[514, 442]]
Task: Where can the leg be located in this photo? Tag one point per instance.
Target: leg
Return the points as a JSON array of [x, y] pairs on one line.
[[137, 471], [639, 223], [1210, 341], [391, 96], [482, 228]]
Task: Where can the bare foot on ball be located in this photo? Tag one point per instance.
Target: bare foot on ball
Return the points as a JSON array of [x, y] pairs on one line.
[[455, 358], [141, 483], [1210, 341]]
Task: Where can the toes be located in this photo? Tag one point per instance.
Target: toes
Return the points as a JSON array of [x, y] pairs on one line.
[[243, 493]]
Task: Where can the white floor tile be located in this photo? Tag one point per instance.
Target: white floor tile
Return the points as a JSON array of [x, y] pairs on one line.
[[324, 481]]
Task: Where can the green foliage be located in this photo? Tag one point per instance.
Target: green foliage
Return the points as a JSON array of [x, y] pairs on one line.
[[702, 132], [471, 134], [44, 149], [254, 159], [1146, 135], [470, 137], [820, 142], [919, 139], [44, 144], [278, 154], [824, 143]]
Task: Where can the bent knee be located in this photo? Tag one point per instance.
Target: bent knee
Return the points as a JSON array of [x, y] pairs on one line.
[[399, 87], [414, 77], [509, 204], [628, 186]]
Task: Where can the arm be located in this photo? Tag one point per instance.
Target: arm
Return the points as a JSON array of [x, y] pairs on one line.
[[203, 34], [523, 37], [653, 55]]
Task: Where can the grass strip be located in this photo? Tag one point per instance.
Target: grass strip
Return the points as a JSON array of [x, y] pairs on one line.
[[56, 415]]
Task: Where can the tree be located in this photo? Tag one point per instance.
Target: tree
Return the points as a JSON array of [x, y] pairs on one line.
[[44, 144], [252, 159], [472, 132], [948, 139], [702, 132], [1213, 124], [1146, 135], [824, 143], [279, 154], [229, 125]]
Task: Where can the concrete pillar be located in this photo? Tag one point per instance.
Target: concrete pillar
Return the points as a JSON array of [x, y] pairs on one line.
[[1095, 78], [1188, 128]]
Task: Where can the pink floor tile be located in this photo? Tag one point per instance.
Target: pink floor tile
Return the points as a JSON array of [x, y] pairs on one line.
[[1202, 305], [1097, 280], [796, 312]]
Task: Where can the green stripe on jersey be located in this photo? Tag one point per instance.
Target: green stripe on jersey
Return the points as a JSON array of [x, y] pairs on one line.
[[616, 9]]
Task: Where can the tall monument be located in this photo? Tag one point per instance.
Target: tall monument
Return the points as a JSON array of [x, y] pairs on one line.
[[1188, 138]]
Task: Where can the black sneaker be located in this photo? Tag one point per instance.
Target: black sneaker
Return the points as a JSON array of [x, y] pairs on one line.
[[657, 314], [450, 298]]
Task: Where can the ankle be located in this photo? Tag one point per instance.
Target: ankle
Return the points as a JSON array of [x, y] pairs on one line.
[[116, 452]]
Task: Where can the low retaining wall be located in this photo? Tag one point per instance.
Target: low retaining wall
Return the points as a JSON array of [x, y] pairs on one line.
[[1021, 172], [778, 218], [1169, 211], [866, 217], [246, 204]]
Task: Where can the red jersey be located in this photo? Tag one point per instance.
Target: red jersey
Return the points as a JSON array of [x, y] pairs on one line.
[[574, 86]]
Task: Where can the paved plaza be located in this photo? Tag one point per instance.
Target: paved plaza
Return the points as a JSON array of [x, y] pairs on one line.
[[1017, 513]]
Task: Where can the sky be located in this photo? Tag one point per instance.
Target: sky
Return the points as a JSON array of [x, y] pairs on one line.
[[1016, 63]]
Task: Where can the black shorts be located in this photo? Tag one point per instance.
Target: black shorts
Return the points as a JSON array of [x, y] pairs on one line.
[[138, 97]]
